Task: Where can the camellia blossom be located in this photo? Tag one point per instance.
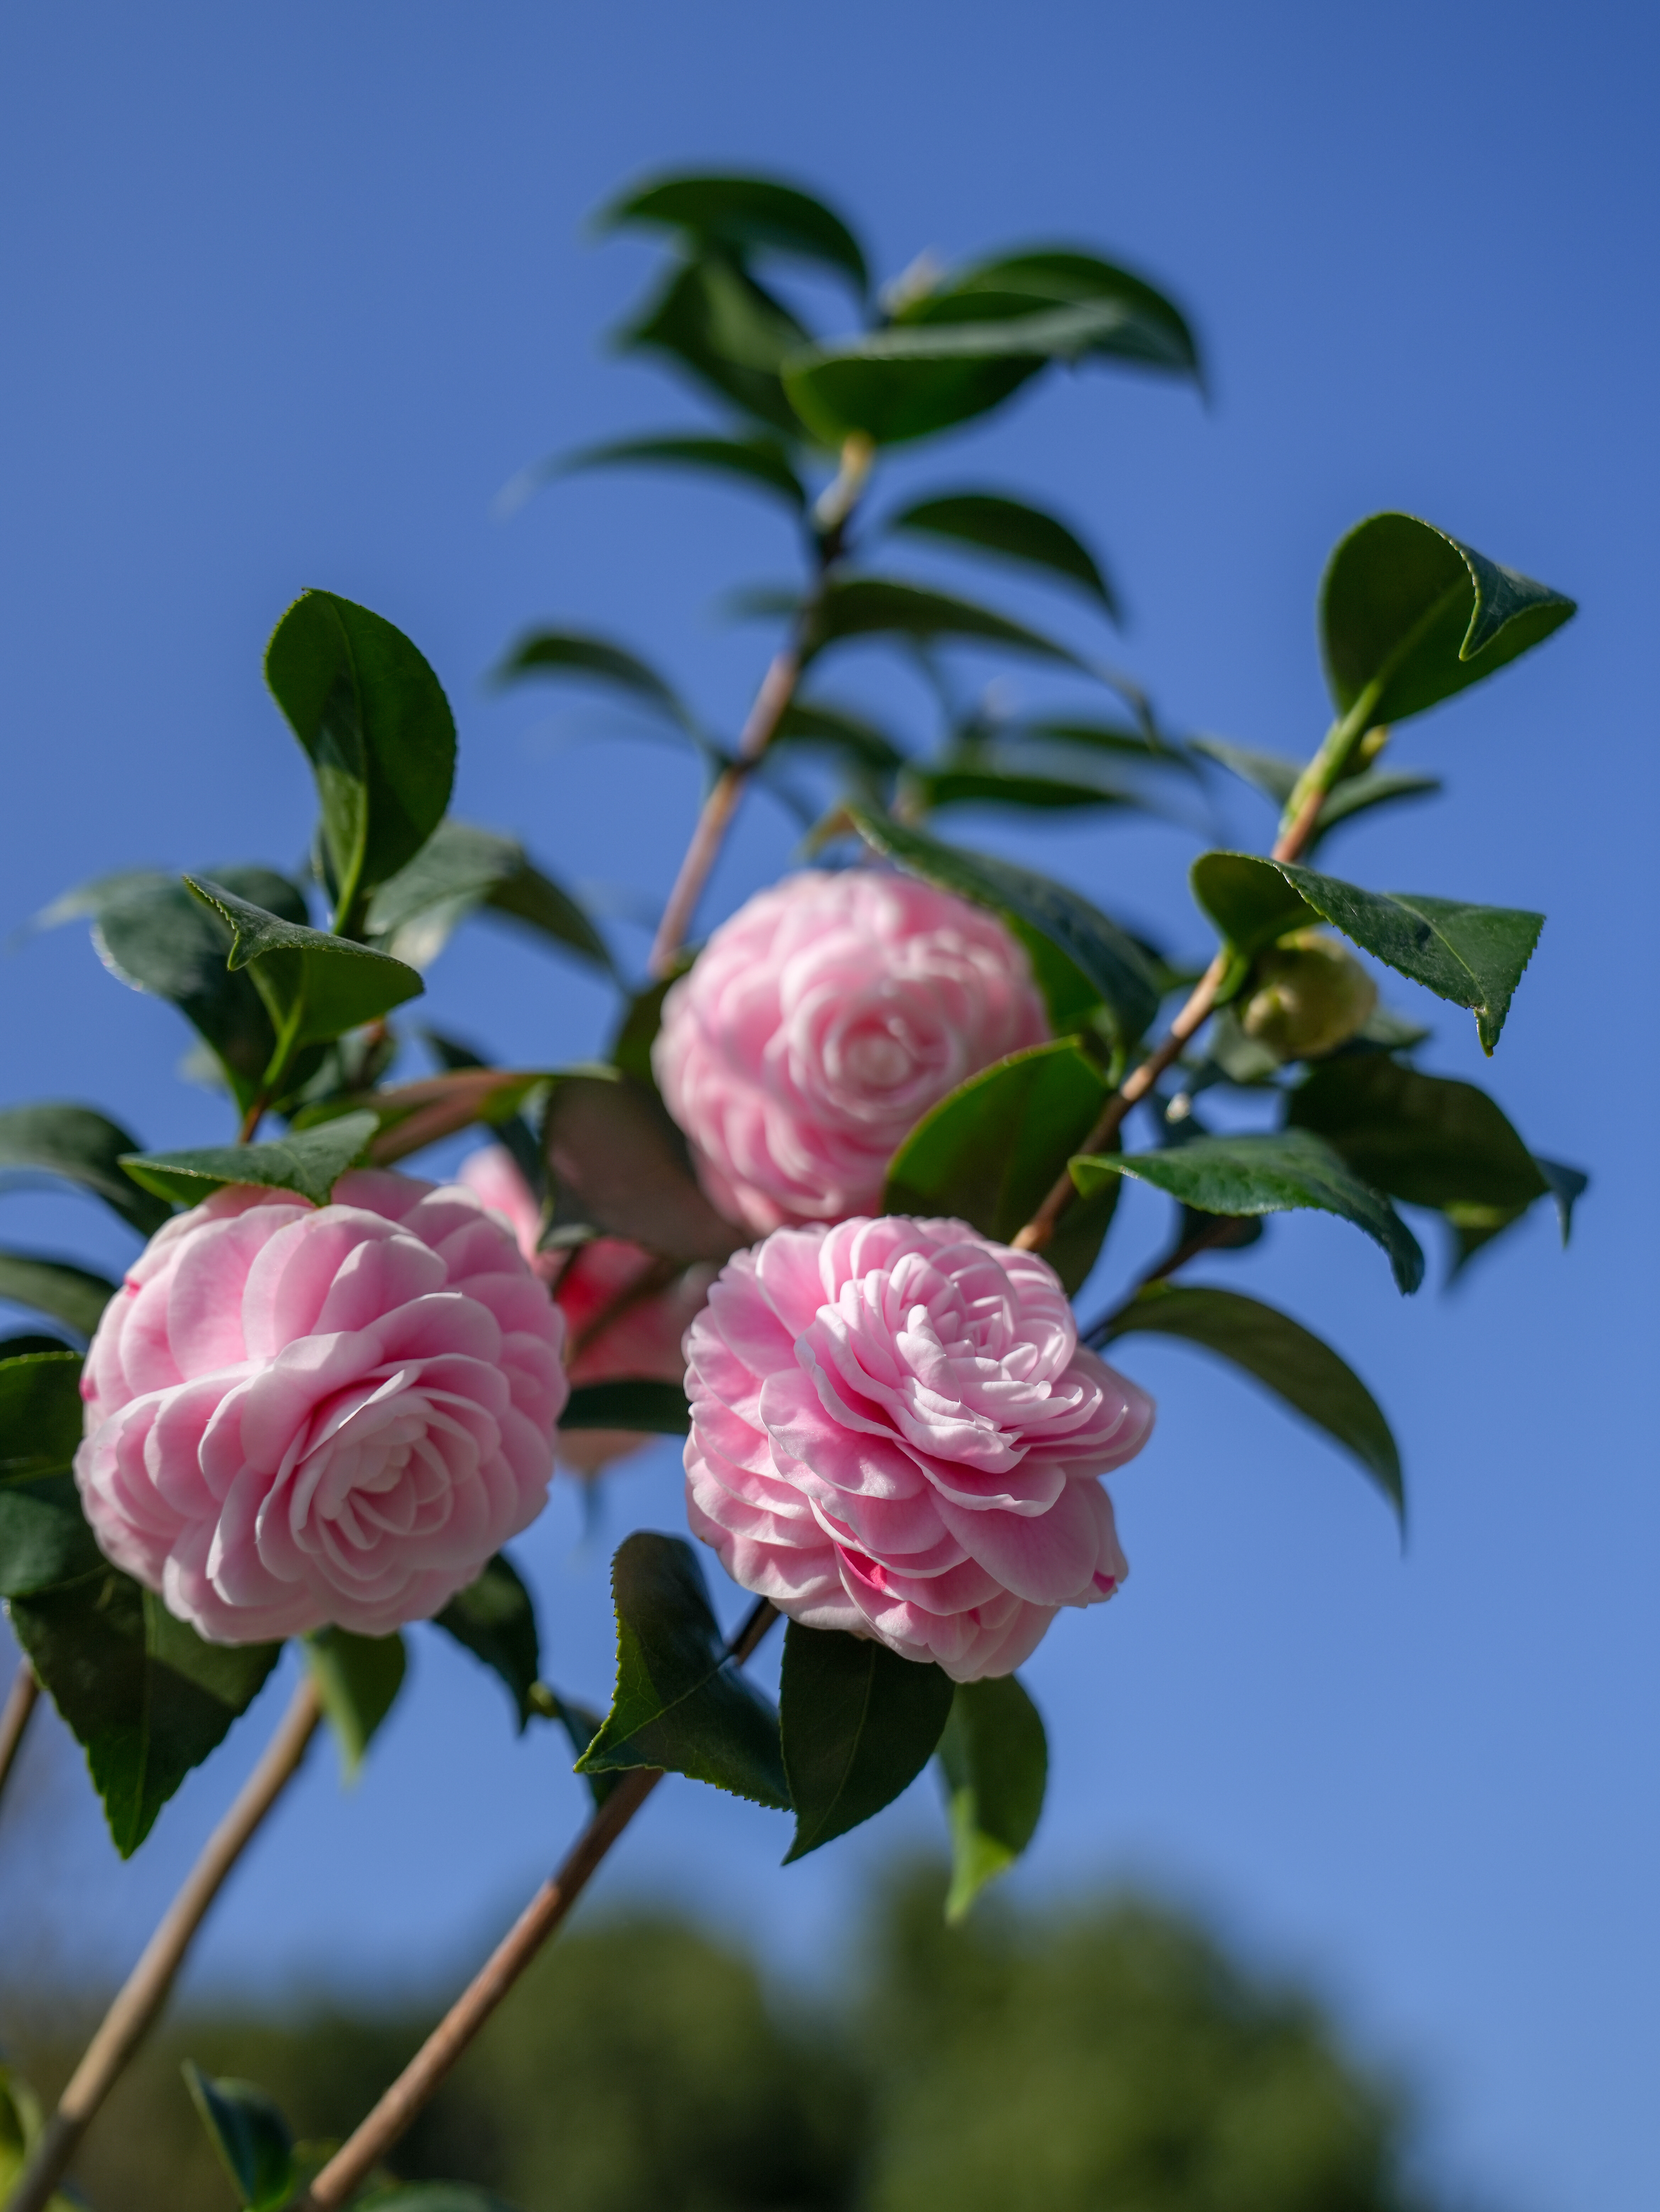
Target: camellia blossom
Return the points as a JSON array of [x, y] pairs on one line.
[[301, 1415], [818, 1027], [626, 1310], [895, 1431]]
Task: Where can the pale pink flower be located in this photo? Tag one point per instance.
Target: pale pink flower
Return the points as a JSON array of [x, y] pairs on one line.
[[895, 1431], [626, 1310], [301, 1415], [818, 1027]]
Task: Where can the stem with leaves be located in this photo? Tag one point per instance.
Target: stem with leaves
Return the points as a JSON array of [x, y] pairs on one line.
[[20, 1701], [368, 2144], [145, 1991]]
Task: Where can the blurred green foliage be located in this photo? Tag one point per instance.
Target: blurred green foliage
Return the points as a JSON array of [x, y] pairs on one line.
[[1108, 2058]]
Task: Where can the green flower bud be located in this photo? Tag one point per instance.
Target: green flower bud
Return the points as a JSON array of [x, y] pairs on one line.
[[1309, 994]]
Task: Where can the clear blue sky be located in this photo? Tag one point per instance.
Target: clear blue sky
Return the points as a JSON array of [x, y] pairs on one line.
[[292, 292]]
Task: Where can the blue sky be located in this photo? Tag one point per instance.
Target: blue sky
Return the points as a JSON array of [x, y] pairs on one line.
[[293, 293]]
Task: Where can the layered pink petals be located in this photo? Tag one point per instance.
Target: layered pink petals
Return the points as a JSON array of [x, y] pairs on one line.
[[895, 1431], [299, 1415], [818, 1027]]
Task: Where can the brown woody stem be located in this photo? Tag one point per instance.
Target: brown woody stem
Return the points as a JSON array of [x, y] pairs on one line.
[[20, 1701], [145, 1991], [368, 2144]]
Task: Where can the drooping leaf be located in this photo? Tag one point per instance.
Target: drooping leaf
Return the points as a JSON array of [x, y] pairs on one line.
[[73, 1294], [574, 655], [357, 1678], [1303, 1372], [713, 321], [619, 1168], [1112, 965], [1421, 1138], [654, 1408], [1567, 1187], [995, 1757], [308, 1161], [315, 986], [879, 606], [859, 1724], [495, 1620], [44, 1536], [1474, 955], [679, 1704], [989, 1152], [461, 869], [143, 1694], [759, 461], [745, 215], [84, 1147], [1011, 530], [247, 2129], [378, 730], [1271, 1173]]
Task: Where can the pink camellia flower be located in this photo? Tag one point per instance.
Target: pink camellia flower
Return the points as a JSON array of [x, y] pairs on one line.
[[895, 1431], [298, 1415], [626, 1310], [818, 1027]]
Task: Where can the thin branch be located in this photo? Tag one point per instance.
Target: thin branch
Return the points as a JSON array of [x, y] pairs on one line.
[[129, 2018], [368, 2144], [20, 1701]]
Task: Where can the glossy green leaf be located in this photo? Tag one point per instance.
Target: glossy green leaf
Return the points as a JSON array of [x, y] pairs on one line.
[[711, 320], [247, 2129], [84, 1147], [73, 1294], [1302, 1372], [1139, 322], [358, 1678], [859, 1724], [1421, 1138], [1113, 966], [653, 1408], [1272, 1174], [44, 1536], [618, 1167], [1474, 955], [378, 730], [878, 606], [810, 725], [579, 658], [494, 1618], [463, 870], [1408, 615], [995, 1757], [315, 986], [759, 461], [307, 1161], [1011, 530], [144, 1695], [989, 1153], [679, 1704], [746, 214]]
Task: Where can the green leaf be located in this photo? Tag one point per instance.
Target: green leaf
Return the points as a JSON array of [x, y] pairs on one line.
[[357, 1677], [1302, 1372], [806, 725], [1111, 964], [1271, 1173], [1379, 787], [73, 1294], [995, 1756], [44, 1536], [1408, 615], [975, 786], [1271, 774], [1142, 746], [315, 986], [989, 1152], [513, 1130], [144, 1695], [1012, 531], [712, 320], [1139, 324], [878, 606], [1421, 1138], [411, 1115], [653, 1408], [759, 461], [745, 215], [1567, 1186], [582, 659], [859, 1723], [308, 1161], [84, 1147], [581, 1726], [618, 1167], [636, 1032], [1474, 955], [461, 869], [679, 1705], [495, 1618], [252, 2138]]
